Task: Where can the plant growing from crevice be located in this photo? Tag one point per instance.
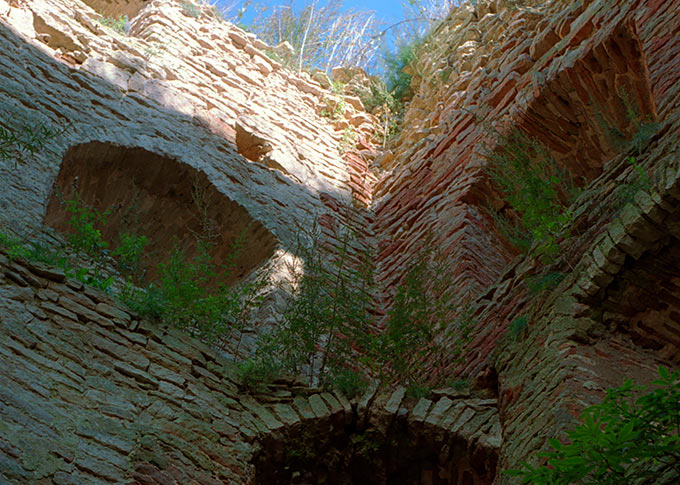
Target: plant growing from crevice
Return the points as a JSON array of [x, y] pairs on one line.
[[518, 327], [638, 180], [329, 308], [119, 25], [633, 436], [190, 9], [29, 138], [544, 281], [537, 190]]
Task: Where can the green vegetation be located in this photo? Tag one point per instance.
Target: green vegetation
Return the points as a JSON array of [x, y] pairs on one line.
[[537, 190], [189, 295], [118, 25], [639, 180], [518, 326], [329, 329], [85, 259], [29, 138], [545, 281], [190, 9], [329, 312], [336, 104], [631, 437]]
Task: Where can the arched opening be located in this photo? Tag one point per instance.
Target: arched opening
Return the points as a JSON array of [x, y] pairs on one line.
[[644, 302], [453, 445], [171, 203]]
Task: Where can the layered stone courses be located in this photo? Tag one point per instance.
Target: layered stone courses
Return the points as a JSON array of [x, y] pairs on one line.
[[93, 397], [91, 394]]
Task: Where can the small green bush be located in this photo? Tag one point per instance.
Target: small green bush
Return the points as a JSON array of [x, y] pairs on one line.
[[118, 25], [640, 180], [86, 225], [84, 240], [544, 282], [536, 188], [518, 326], [189, 296], [631, 437], [190, 10]]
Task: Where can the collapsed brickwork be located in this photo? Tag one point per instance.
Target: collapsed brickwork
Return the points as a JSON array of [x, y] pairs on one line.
[[92, 394]]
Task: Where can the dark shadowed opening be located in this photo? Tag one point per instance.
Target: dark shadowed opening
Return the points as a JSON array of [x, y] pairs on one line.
[[644, 301], [342, 455], [169, 202]]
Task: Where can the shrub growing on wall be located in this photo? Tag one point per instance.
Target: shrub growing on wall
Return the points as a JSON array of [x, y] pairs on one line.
[[633, 436]]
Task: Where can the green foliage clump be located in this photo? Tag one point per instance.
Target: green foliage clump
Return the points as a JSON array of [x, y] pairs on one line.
[[544, 282], [30, 138], [640, 180], [86, 224], [190, 296], [397, 77], [190, 9], [518, 326], [328, 313], [633, 436], [328, 331], [336, 106], [118, 25], [537, 190], [128, 254], [84, 240]]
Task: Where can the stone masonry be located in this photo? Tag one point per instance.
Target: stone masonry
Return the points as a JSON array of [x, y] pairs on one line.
[[91, 394]]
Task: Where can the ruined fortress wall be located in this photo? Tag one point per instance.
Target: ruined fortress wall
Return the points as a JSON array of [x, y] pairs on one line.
[[193, 90], [91, 394], [550, 72]]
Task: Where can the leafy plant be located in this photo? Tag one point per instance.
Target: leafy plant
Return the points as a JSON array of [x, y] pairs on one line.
[[85, 238], [329, 311], [86, 224], [129, 254], [188, 296], [631, 437], [518, 326], [30, 138], [349, 382], [417, 390], [460, 384], [190, 10], [118, 25], [537, 190], [640, 180], [544, 282]]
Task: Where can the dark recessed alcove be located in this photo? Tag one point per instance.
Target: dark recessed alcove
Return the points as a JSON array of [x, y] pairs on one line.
[[169, 202]]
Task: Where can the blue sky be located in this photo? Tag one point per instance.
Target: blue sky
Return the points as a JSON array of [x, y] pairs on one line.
[[387, 11]]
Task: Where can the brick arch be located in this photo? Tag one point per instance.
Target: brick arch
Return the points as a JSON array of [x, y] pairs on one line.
[[631, 276], [152, 195], [383, 438]]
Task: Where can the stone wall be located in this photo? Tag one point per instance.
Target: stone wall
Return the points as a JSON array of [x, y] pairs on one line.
[[91, 394]]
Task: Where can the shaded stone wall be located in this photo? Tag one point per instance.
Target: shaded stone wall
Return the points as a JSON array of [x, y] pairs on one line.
[[91, 394]]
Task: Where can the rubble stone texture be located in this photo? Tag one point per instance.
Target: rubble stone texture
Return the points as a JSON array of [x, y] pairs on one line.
[[183, 102]]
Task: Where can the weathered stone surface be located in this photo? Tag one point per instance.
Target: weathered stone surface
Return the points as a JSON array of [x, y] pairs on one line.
[[98, 397]]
